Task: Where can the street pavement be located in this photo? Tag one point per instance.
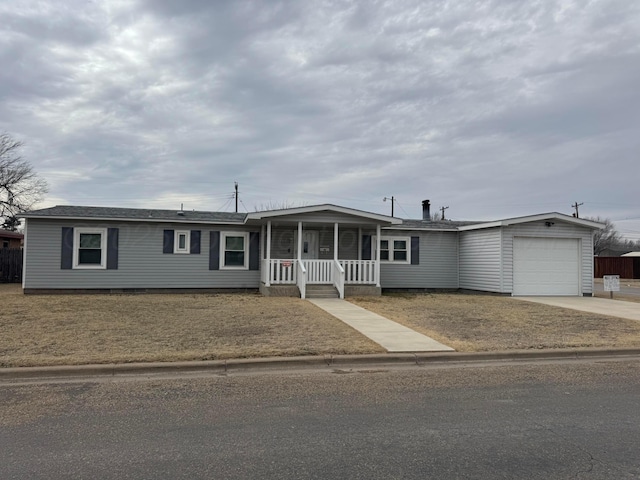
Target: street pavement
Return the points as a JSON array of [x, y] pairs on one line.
[[560, 420]]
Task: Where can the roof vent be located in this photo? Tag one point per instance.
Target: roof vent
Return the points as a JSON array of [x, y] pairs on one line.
[[181, 211]]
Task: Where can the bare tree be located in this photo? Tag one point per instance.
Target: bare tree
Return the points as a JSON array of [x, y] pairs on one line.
[[608, 237], [20, 186]]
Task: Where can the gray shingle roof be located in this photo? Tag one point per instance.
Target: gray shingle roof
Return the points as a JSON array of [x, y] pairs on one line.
[[435, 225], [69, 211]]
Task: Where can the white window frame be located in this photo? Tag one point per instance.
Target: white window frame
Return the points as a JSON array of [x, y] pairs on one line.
[[176, 241], [223, 241], [103, 248], [392, 250]]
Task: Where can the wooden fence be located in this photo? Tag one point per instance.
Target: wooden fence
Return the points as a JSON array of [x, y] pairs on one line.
[[626, 267], [10, 265]]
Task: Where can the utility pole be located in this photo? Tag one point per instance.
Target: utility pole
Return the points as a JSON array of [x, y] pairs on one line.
[[576, 205], [393, 199], [236, 185], [442, 209]]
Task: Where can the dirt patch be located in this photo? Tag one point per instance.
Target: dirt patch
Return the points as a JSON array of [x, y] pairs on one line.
[[488, 323], [81, 329]]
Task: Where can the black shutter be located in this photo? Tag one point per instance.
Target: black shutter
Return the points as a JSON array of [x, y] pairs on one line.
[[66, 255], [195, 241], [167, 242], [254, 251], [415, 250], [366, 247], [112, 249], [214, 251]]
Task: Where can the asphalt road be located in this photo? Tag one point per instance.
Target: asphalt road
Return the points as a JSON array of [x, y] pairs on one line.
[[572, 419]]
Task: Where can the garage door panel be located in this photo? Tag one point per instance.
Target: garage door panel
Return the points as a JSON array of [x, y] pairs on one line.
[[546, 266]]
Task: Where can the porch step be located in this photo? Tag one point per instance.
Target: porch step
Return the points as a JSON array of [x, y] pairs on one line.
[[321, 291]]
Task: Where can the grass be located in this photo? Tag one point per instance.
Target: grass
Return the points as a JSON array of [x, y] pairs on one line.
[[81, 329], [490, 323]]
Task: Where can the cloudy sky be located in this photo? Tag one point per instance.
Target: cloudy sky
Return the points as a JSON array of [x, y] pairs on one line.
[[492, 108]]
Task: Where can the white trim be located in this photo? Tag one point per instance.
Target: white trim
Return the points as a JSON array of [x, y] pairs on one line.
[[268, 252], [176, 241], [143, 220], [223, 236], [77, 231], [24, 255], [391, 250], [322, 208], [534, 218]]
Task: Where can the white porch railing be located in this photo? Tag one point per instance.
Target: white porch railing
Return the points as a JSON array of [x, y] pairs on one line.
[[359, 272], [351, 272], [301, 271], [338, 278]]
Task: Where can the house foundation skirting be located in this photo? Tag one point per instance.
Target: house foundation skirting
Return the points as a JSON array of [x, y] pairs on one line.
[[280, 291], [107, 291]]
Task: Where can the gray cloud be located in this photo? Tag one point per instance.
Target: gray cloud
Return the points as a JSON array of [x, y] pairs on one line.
[[494, 108]]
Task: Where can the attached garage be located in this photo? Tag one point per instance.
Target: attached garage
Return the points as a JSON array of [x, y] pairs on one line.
[[546, 266], [548, 254]]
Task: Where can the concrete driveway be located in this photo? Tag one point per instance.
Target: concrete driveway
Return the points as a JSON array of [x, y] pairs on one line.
[[602, 306]]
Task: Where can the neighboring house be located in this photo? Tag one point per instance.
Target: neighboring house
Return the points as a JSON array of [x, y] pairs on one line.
[[284, 251], [10, 239], [631, 254]]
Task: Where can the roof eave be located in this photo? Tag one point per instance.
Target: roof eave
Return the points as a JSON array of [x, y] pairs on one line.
[[120, 219]]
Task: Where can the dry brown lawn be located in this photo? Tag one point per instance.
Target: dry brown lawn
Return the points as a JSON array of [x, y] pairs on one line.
[[488, 323], [81, 329]]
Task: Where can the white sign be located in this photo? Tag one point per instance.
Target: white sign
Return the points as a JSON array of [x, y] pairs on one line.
[[611, 283]]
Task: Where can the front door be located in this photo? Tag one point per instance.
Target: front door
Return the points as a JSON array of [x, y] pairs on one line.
[[310, 244]]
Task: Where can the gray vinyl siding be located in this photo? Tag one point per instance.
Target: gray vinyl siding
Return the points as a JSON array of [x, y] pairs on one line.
[[557, 230], [438, 266], [480, 260], [141, 263]]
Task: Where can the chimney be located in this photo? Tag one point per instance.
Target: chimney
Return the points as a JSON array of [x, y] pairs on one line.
[[426, 210]]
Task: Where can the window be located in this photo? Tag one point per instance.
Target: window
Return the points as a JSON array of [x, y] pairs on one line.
[[395, 249], [233, 248], [181, 241], [89, 247]]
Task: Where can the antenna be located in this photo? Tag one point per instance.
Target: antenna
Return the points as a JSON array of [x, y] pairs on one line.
[[442, 209]]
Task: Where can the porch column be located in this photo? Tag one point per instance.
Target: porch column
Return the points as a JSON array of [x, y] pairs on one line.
[[359, 243], [335, 242], [268, 251], [300, 241], [377, 255]]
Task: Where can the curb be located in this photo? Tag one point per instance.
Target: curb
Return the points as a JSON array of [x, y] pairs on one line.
[[222, 367]]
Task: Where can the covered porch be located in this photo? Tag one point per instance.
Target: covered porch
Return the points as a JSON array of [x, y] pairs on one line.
[[322, 245]]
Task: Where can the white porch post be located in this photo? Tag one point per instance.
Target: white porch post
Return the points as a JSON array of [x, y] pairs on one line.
[[377, 255], [268, 282], [300, 241], [359, 243], [335, 242]]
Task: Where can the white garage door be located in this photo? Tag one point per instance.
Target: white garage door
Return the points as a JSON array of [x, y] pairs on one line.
[[546, 266]]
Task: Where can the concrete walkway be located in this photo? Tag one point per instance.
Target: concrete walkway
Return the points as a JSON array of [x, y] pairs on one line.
[[390, 335], [601, 306]]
